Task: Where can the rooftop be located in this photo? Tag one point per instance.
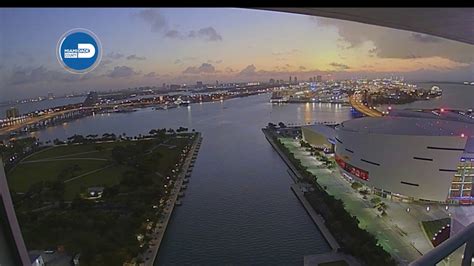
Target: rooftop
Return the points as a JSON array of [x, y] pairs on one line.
[[405, 125]]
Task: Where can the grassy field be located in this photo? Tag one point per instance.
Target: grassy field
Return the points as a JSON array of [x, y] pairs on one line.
[[432, 227], [82, 166]]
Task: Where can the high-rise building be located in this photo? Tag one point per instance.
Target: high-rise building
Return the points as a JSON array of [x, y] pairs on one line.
[[199, 84], [296, 80], [13, 112], [319, 78], [272, 81], [310, 79], [290, 79], [217, 83], [50, 95]]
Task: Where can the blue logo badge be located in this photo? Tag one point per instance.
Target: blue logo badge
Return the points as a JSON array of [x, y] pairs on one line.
[[79, 51]]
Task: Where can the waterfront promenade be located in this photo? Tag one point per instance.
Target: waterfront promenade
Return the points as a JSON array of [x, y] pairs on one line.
[[160, 229], [297, 189], [317, 219], [399, 232]]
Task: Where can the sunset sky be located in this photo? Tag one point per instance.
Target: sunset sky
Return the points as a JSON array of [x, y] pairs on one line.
[[143, 47]]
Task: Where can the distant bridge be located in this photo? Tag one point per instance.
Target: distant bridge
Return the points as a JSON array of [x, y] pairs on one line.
[[357, 104], [50, 117]]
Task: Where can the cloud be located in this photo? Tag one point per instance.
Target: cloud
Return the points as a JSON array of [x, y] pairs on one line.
[[31, 75], [339, 66], [288, 52], [214, 62], [425, 38], [121, 72], [153, 17], [134, 57], [114, 56], [27, 56], [248, 70], [174, 34], [204, 68], [302, 68], [106, 62], [181, 61], [207, 34], [151, 75], [392, 43], [229, 70]]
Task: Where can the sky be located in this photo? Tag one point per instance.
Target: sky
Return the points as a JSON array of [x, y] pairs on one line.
[[149, 47]]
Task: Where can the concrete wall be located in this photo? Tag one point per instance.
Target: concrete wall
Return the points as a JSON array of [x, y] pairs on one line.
[[395, 156]]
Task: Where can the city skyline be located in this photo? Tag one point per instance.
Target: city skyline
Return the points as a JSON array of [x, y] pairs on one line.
[[148, 47]]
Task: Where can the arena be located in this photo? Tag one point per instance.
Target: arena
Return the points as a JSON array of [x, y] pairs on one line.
[[413, 155]]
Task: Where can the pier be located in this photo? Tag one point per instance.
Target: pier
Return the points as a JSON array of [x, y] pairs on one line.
[[174, 200]]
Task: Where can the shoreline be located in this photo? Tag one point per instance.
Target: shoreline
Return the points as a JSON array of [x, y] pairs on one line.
[[296, 188], [170, 205]]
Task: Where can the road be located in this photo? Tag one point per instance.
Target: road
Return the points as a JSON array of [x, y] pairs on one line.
[[356, 103]]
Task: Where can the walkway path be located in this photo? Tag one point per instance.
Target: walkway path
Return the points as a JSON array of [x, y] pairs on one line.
[[88, 173], [65, 159], [160, 230], [317, 219], [399, 233]]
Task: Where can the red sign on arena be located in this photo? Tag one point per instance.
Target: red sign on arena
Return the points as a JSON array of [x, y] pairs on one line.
[[362, 174]]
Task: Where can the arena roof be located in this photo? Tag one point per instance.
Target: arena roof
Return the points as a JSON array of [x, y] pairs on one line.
[[397, 125]]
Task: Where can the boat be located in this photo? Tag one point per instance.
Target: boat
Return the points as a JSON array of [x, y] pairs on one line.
[[178, 203]]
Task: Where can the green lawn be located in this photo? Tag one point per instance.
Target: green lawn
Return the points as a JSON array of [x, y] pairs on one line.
[[432, 227], [106, 177], [87, 159], [24, 175], [73, 150]]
